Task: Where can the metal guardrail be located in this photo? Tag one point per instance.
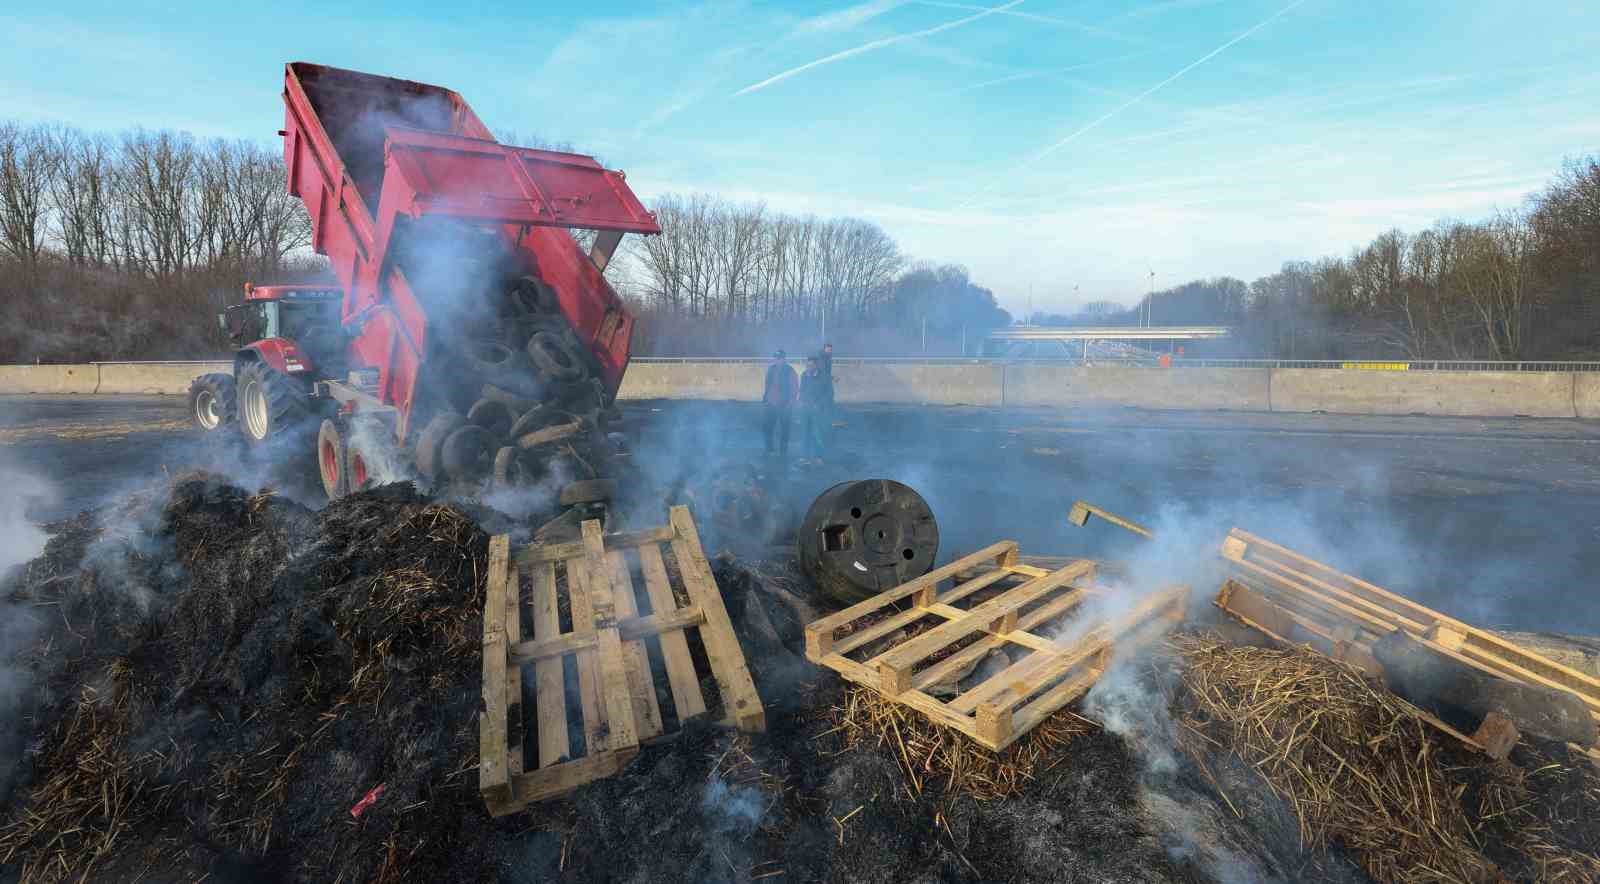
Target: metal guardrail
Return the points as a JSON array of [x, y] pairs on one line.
[[1177, 363], [1181, 362]]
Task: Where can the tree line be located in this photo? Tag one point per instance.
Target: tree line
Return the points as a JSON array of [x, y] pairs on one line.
[[727, 278], [121, 247], [1521, 285], [125, 246]]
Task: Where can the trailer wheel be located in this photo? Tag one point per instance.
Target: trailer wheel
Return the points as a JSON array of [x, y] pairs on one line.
[[496, 417], [211, 401], [588, 491], [555, 357], [269, 403], [432, 439], [467, 453], [333, 460]]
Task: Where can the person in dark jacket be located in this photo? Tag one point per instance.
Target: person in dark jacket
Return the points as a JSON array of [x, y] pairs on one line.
[[814, 406], [782, 389]]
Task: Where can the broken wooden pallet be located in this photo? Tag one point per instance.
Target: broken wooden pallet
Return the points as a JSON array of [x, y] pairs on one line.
[[1028, 606], [1363, 613], [616, 651], [1297, 600]]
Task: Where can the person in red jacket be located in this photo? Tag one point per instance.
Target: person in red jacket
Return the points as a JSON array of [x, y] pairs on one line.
[[782, 389]]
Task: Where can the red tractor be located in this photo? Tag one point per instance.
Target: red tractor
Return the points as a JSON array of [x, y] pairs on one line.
[[469, 333]]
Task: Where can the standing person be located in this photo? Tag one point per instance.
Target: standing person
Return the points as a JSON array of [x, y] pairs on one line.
[[781, 391], [813, 406], [825, 364]]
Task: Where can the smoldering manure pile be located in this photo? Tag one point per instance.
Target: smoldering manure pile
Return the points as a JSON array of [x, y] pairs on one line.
[[224, 685]]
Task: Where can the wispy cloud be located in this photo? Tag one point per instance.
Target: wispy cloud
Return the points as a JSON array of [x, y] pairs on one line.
[[871, 46], [1095, 123], [1033, 75], [1056, 21], [847, 18]]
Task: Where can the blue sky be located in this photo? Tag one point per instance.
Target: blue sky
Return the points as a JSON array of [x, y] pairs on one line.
[[1062, 148]]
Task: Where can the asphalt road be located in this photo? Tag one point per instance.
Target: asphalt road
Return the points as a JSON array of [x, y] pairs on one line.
[[1492, 520]]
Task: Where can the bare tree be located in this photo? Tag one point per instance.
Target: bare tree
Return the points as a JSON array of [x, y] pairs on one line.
[[29, 162]]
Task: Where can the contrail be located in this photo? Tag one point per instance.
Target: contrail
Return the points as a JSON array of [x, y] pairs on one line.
[[1030, 75], [1157, 87], [1043, 19], [875, 44]]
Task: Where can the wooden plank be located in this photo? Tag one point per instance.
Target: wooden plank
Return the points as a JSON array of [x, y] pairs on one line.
[[894, 667], [563, 778], [1082, 510], [878, 630], [513, 669], [1049, 702], [686, 695], [641, 688], [976, 650], [1302, 582], [615, 693], [554, 552], [850, 669], [550, 696], [739, 697], [596, 721], [1398, 604], [1299, 594], [819, 633], [1247, 605], [1017, 682], [494, 780], [633, 628]]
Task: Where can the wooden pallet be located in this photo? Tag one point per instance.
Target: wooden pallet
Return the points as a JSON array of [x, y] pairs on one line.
[[1362, 612], [609, 643], [1298, 600], [998, 710]]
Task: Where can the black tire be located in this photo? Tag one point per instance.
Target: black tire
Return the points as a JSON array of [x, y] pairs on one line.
[[537, 418], [496, 417], [489, 359], [588, 491], [211, 402], [468, 453], [509, 471], [556, 357], [333, 460], [534, 297], [519, 404], [430, 443], [269, 403]]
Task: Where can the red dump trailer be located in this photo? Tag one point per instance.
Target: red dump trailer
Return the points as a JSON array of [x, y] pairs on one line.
[[468, 302]]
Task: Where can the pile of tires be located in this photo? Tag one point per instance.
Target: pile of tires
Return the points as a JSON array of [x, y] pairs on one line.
[[539, 416]]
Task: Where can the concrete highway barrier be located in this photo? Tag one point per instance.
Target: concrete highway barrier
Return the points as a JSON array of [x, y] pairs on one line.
[[1450, 393], [154, 377], [1094, 386], [49, 378], [1554, 394]]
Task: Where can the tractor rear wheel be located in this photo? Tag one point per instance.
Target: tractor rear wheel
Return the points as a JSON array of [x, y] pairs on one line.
[[211, 401], [269, 403]]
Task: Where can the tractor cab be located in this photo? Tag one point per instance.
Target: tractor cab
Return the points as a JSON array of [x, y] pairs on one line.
[[299, 321]]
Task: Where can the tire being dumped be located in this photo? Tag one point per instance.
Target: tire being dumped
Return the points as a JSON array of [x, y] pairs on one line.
[[861, 538]]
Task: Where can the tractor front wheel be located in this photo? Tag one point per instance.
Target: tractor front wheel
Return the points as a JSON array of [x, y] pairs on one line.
[[211, 401], [269, 403]]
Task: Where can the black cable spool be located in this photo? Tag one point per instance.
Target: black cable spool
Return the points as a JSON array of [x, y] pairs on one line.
[[864, 537]]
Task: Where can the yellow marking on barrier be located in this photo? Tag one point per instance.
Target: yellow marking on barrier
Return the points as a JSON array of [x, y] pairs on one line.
[[1376, 366]]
